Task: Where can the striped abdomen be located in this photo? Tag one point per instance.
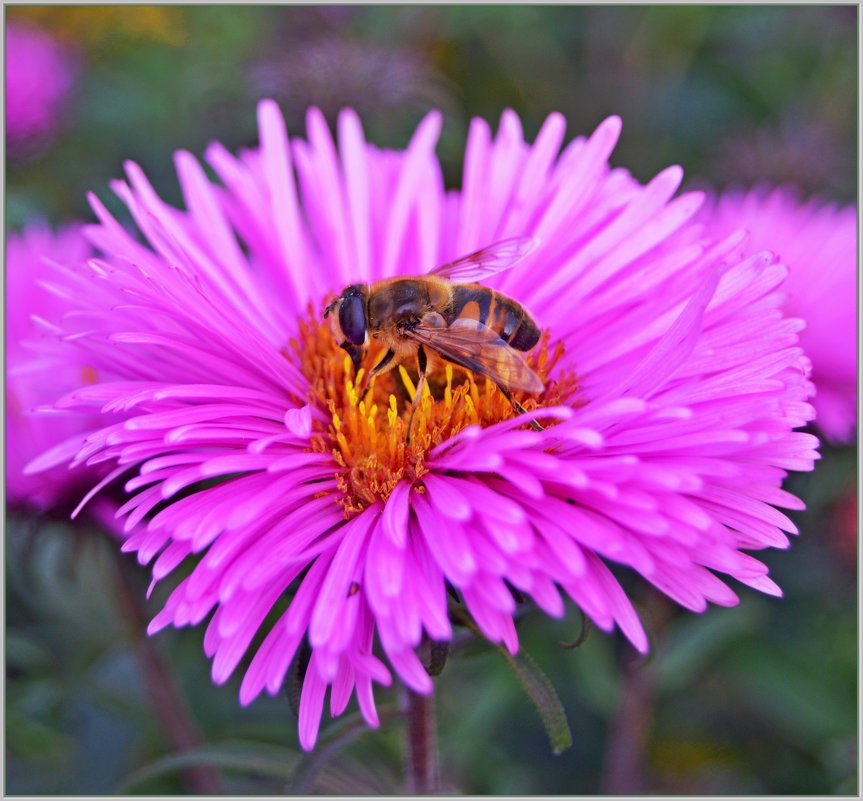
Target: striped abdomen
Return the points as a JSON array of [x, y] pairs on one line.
[[499, 312]]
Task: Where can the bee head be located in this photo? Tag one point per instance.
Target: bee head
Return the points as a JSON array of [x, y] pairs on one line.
[[348, 310]]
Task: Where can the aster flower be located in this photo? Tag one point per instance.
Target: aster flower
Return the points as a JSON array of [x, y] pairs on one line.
[[818, 242], [672, 383], [39, 74], [35, 372]]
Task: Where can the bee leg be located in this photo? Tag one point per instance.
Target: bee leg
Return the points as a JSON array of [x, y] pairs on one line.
[[381, 367], [518, 407], [355, 352], [422, 360]]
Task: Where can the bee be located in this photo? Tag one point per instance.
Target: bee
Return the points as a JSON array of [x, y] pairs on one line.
[[447, 314]]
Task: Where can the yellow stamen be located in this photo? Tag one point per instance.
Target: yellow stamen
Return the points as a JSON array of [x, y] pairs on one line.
[[471, 409], [474, 393], [406, 380], [370, 448], [343, 444], [393, 412]]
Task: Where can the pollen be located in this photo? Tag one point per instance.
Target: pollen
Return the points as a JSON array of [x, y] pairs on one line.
[[367, 426]]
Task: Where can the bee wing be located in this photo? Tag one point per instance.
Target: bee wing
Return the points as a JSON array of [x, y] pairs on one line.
[[477, 348], [494, 259]]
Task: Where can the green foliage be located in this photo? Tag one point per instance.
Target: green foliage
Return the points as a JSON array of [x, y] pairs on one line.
[[257, 758], [544, 697]]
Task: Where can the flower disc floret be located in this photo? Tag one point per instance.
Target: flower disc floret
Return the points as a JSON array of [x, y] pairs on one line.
[[367, 437]]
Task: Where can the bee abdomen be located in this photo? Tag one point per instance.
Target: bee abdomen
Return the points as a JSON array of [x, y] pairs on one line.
[[523, 333], [500, 313], [518, 328], [470, 302]]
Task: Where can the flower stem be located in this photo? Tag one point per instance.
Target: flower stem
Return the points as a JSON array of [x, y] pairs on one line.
[[179, 727], [625, 769], [421, 745]]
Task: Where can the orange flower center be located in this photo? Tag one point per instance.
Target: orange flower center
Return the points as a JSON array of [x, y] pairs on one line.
[[368, 437]]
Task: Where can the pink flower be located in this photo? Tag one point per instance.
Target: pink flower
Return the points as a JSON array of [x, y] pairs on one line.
[[673, 384], [36, 373], [39, 74], [818, 242]]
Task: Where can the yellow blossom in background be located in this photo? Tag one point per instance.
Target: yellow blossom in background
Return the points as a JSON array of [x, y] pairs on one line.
[[107, 27]]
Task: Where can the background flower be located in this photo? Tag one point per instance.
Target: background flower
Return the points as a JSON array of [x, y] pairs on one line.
[[668, 458], [35, 370], [39, 74], [38, 365], [818, 241]]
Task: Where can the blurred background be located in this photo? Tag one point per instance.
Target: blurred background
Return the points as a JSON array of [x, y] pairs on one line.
[[761, 699]]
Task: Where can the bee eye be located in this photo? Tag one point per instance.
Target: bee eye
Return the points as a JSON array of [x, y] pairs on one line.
[[352, 319]]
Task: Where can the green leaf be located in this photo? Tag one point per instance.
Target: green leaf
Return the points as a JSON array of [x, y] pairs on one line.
[[693, 643], [793, 698], [338, 736], [262, 759], [33, 740], [544, 697], [438, 653], [596, 676], [536, 684], [25, 652]]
